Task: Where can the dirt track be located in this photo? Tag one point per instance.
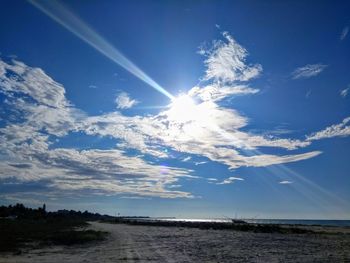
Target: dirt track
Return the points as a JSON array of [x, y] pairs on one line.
[[128, 243]]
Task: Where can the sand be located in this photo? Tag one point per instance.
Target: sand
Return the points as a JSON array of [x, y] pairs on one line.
[[137, 243]]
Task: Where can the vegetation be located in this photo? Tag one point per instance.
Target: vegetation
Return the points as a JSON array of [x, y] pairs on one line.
[[243, 226], [25, 227]]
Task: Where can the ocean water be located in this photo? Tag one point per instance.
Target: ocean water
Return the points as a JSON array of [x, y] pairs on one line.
[[339, 223], [301, 222]]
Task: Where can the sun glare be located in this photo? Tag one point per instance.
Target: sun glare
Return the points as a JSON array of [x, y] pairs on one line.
[[183, 108]]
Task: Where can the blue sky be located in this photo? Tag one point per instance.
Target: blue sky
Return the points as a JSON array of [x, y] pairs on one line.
[[168, 108]]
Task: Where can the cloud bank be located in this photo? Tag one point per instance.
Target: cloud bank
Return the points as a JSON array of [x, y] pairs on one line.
[[38, 114]]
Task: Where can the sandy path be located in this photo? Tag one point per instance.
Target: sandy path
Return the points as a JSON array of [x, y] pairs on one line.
[[128, 243]]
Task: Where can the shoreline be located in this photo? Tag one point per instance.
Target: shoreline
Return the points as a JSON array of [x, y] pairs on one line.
[[238, 225]]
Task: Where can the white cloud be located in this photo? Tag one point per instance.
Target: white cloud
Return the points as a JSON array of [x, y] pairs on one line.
[[207, 129], [135, 197], [105, 171], [230, 180], [212, 179], [344, 92], [42, 111], [226, 61], [174, 186], [217, 92], [186, 159], [123, 101], [199, 163], [285, 182], [308, 71], [233, 160], [2, 69], [40, 114], [344, 33], [32, 82], [336, 130], [135, 132]]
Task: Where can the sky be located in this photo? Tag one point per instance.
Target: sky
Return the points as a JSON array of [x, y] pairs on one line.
[[196, 109]]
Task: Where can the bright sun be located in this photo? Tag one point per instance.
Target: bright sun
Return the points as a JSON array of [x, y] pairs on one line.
[[183, 108]]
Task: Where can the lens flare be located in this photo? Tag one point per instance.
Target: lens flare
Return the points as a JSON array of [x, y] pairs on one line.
[[67, 19]]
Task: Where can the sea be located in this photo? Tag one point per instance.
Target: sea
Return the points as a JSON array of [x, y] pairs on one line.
[[339, 223]]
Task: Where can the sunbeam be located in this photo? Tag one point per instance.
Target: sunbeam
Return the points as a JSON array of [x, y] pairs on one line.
[[307, 188], [67, 19]]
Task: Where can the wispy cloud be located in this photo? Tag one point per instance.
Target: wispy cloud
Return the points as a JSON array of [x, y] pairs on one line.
[[212, 179], [344, 92], [226, 61], [230, 180], [186, 159], [135, 197], [285, 182], [124, 101], [199, 163], [344, 33], [217, 92], [308, 71], [336, 130]]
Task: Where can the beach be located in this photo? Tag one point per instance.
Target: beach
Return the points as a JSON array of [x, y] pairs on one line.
[[140, 243]]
